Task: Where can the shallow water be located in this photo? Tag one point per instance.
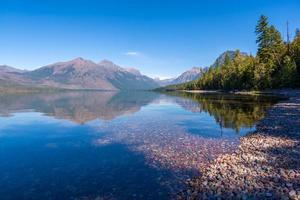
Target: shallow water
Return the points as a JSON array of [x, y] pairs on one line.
[[108, 145]]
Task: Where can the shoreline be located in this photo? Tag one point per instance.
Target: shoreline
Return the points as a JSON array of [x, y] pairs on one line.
[[266, 164], [277, 92]]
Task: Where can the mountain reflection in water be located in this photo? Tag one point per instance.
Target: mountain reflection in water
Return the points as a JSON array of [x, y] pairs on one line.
[[112, 142], [79, 107]]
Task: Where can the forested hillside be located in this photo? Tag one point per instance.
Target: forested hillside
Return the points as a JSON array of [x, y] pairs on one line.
[[276, 65]]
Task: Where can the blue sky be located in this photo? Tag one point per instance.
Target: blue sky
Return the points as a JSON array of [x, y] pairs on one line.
[[161, 38]]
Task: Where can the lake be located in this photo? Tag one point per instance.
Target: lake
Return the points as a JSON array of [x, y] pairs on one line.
[[110, 145]]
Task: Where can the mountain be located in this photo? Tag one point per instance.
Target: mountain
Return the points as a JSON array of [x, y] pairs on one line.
[[164, 82], [195, 73], [82, 74], [221, 59], [186, 76], [190, 75], [11, 76], [9, 69], [127, 78], [133, 71]]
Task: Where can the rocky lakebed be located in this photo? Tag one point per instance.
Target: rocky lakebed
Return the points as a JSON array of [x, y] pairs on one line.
[[266, 164]]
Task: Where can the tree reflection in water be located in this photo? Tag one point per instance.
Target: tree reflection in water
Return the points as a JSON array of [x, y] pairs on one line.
[[232, 110], [152, 126]]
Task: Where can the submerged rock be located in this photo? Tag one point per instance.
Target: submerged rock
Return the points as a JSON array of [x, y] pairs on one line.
[[266, 164]]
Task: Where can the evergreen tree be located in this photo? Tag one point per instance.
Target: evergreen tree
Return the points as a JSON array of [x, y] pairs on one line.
[[270, 50], [261, 31], [289, 72], [262, 76], [296, 51], [274, 66], [276, 47], [270, 43], [227, 59], [297, 33], [295, 48]]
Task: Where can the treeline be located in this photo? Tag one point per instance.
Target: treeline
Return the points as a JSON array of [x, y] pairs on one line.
[[276, 65]]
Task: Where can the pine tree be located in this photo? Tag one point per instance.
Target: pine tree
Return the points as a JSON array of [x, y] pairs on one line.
[[289, 72], [276, 45], [295, 48], [261, 31], [270, 50], [227, 59], [297, 33], [262, 75], [277, 64]]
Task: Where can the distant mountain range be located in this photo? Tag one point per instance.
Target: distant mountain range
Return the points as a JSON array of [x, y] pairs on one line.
[[79, 74], [6, 68], [190, 75], [196, 72], [105, 75]]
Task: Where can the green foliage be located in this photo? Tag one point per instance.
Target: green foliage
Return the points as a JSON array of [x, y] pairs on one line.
[[227, 59], [261, 31], [297, 32], [295, 51], [273, 67], [288, 73]]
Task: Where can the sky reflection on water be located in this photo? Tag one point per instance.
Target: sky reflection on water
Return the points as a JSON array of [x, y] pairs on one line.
[[138, 145]]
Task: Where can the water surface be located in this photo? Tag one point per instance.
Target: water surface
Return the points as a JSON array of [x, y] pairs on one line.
[[109, 145]]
